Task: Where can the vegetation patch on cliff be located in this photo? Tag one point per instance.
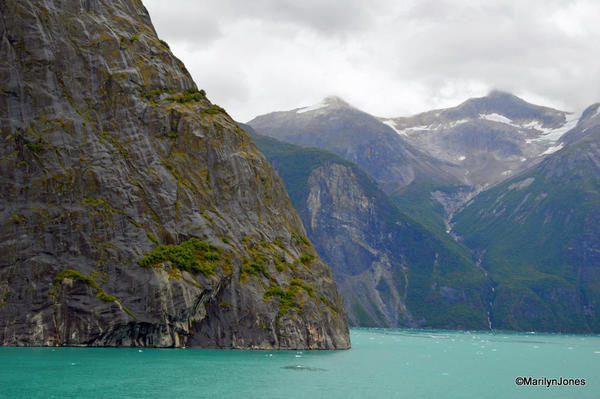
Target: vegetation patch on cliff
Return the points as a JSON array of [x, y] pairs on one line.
[[261, 256], [189, 96], [288, 297], [193, 255], [77, 275]]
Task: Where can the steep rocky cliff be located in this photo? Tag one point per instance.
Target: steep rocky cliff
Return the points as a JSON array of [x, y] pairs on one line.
[[132, 210], [391, 270]]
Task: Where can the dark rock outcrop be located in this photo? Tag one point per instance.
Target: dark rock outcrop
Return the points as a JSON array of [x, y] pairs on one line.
[[133, 212]]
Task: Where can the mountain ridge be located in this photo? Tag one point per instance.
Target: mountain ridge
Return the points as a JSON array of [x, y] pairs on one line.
[[356, 136]]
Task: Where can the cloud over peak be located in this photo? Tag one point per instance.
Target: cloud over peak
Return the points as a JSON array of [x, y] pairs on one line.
[[389, 58]]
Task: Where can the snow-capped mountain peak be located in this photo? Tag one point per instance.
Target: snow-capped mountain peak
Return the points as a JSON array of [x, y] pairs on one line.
[[330, 102]]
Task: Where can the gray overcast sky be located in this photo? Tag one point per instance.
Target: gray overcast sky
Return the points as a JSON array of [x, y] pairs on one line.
[[387, 57]]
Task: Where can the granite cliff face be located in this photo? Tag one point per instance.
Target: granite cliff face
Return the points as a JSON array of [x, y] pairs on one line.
[[132, 210]]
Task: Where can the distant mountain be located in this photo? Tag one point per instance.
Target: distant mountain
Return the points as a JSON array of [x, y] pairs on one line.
[[537, 236], [490, 138], [517, 183], [336, 126], [433, 162], [392, 270]]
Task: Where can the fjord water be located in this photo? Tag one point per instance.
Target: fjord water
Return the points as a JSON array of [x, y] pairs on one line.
[[383, 363]]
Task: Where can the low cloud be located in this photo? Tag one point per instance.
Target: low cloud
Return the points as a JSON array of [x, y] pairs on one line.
[[388, 58]]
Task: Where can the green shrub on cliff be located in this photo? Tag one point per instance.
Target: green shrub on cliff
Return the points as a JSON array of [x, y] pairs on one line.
[[192, 255], [74, 274], [190, 95]]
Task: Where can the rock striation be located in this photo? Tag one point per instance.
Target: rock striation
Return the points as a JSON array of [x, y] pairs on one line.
[[133, 211]]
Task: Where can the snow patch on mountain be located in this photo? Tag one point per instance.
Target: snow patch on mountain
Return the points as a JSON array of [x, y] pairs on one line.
[[392, 124], [596, 113], [553, 149], [456, 123], [535, 125], [315, 107], [556, 134], [496, 118], [546, 134], [420, 128], [522, 184]]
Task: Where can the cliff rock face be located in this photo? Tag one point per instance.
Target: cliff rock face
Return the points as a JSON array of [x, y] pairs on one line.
[[391, 270], [132, 210]]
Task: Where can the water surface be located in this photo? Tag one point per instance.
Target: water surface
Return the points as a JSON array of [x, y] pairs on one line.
[[383, 363]]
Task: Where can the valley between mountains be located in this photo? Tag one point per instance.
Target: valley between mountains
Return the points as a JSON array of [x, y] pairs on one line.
[[480, 216]]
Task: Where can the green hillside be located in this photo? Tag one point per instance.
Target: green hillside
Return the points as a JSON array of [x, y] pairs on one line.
[[538, 238]]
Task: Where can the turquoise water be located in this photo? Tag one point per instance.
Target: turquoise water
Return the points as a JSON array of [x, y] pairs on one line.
[[383, 363]]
